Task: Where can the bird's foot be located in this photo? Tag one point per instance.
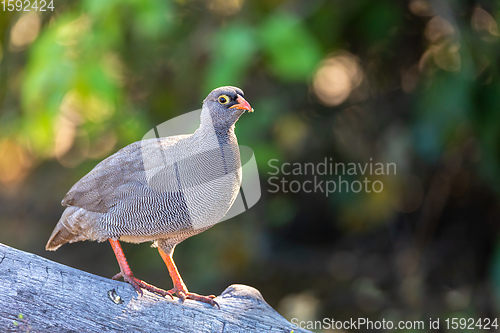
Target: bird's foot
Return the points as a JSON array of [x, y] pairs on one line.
[[139, 285], [184, 294]]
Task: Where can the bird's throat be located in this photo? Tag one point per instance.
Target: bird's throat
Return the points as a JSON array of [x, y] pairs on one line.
[[225, 134]]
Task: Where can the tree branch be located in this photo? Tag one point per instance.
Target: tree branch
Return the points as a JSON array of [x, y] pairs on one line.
[[39, 295]]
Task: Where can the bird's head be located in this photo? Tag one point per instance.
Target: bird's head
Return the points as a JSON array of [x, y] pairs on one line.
[[225, 105]]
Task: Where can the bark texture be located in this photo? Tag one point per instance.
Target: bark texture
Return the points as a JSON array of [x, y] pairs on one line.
[[39, 295]]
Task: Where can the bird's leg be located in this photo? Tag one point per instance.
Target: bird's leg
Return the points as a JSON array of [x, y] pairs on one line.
[[126, 272], [179, 286]]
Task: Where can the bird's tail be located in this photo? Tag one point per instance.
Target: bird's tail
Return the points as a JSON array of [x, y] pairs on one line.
[[69, 229]]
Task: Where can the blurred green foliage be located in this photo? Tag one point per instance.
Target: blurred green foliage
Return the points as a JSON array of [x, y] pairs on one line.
[[414, 83]]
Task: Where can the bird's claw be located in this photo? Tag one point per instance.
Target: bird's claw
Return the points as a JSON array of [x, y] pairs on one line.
[[139, 285], [205, 299], [184, 294]]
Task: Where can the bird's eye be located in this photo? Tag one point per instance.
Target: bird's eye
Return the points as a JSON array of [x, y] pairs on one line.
[[223, 99]]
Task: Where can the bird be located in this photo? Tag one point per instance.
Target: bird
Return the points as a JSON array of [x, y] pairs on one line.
[[164, 190]]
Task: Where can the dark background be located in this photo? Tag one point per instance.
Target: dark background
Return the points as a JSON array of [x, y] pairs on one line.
[[415, 83]]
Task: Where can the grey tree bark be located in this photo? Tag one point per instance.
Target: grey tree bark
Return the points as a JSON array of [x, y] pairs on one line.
[[39, 295]]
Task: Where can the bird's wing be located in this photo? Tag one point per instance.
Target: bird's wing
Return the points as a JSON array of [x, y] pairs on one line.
[[100, 189]]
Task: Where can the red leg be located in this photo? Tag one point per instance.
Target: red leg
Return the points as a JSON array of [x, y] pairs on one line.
[[126, 272], [179, 286]]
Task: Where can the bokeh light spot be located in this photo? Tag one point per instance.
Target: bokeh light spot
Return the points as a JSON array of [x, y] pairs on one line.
[[71, 33], [15, 162], [438, 28], [336, 78], [225, 7], [304, 306], [291, 133], [24, 31], [420, 7], [482, 21]]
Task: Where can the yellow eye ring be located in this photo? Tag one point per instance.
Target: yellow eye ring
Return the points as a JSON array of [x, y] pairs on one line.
[[223, 99]]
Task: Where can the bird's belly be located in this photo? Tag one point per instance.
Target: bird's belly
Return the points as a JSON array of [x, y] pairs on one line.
[[205, 207], [209, 203]]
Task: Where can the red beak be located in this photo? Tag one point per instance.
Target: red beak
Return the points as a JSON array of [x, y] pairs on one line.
[[242, 105]]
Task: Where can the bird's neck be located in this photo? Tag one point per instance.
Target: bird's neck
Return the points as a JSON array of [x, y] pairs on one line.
[[224, 133]]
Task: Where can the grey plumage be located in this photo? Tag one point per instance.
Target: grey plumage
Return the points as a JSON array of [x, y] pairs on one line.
[[163, 190]]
